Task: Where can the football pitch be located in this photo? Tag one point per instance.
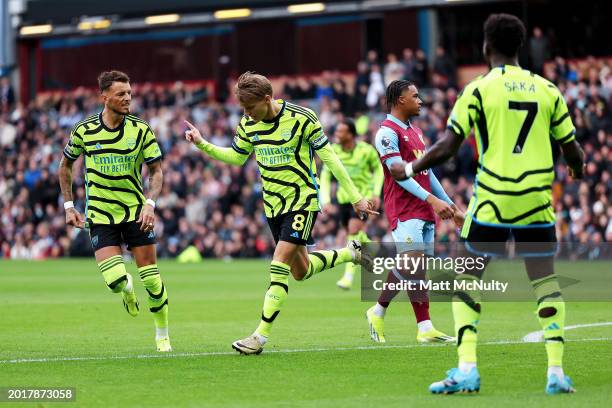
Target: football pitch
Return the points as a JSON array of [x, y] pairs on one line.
[[62, 328]]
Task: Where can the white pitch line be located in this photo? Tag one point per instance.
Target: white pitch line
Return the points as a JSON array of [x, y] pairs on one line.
[[538, 336], [229, 353]]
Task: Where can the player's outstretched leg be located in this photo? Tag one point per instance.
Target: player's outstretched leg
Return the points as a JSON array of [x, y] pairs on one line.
[[158, 304], [273, 302], [119, 281], [303, 266], [319, 261], [551, 315], [346, 282], [466, 311]]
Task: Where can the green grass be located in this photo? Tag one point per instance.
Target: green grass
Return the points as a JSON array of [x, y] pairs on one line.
[[57, 310]]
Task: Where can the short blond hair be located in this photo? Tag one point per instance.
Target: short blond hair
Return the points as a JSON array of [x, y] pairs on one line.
[[252, 86]]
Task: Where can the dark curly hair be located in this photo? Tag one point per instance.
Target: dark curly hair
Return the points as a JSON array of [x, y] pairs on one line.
[[505, 33], [394, 91]]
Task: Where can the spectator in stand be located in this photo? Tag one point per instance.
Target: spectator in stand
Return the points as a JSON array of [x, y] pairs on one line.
[[360, 90], [445, 67], [363, 75], [376, 89], [8, 132], [372, 60], [409, 62], [341, 97], [291, 88], [7, 95], [538, 50], [201, 206], [394, 69], [324, 87], [421, 69], [561, 69]]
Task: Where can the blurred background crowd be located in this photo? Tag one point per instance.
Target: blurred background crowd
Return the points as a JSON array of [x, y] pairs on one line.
[[218, 209]]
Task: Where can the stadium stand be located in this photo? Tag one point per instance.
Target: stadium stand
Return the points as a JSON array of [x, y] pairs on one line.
[[193, 207]]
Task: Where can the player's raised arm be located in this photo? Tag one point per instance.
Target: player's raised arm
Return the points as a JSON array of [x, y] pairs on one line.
[[236, 155]]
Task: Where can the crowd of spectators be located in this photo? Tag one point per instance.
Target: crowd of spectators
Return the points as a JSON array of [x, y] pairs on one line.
[[218, 208]]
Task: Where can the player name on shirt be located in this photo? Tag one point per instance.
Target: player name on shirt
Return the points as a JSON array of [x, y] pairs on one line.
[[519, 86]]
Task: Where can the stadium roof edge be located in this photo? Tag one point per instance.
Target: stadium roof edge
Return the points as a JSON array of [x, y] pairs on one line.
[[65, 15]]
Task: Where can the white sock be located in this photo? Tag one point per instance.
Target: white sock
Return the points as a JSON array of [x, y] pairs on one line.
[[466, 367], [379, 310], [262, 339], [424, 326], [128, 286], [558, 370], [161, 332]]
